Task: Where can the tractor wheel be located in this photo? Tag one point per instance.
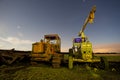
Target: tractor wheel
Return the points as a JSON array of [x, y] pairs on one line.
[[70, 63], [56, 61], [104, 64], [70, 60]]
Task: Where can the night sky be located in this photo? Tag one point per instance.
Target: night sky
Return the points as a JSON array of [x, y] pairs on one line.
[[23, 22]]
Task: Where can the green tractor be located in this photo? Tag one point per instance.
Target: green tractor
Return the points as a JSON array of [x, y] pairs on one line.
[[82, 48]]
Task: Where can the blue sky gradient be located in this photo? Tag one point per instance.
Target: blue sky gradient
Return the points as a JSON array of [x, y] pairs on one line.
[[23, 22]]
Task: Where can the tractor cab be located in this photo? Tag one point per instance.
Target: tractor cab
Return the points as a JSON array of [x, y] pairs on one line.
[[53, 40]]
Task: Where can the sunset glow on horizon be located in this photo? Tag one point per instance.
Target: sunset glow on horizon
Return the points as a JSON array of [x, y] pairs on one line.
[[107, 48]]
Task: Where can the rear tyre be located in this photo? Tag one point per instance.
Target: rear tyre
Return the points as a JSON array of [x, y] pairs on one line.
[[56, 61], [104, 64]]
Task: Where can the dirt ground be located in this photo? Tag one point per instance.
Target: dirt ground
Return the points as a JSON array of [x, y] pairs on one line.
[[45, 72]]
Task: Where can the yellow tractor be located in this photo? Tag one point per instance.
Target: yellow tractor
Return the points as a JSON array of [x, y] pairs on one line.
[[82, 47], [47, 50]]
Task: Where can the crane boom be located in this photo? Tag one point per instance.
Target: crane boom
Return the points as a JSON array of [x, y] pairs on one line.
[[89, 19]]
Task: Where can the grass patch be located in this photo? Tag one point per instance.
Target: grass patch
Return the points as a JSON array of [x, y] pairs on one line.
[[48, 73]]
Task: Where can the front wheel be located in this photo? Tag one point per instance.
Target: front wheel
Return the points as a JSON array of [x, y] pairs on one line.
[[70, 60], [70, 63]]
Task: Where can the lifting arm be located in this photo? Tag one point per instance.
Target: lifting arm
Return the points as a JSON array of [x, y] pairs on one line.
[[89, 19]]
